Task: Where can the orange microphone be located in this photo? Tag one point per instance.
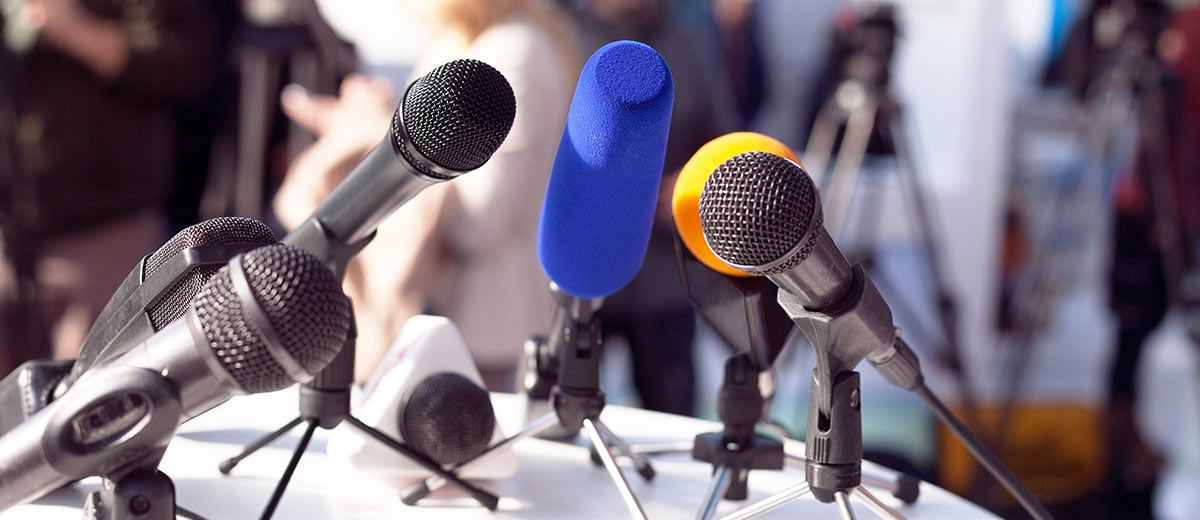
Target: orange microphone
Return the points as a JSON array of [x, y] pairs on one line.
[[686, 199], [740, 307]]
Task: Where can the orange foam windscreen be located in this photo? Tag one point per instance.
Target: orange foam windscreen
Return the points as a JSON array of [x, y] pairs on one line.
[[685, 203]]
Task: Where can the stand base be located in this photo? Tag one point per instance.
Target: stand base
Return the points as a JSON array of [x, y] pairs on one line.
[[760, 452], [142, 494], [327, 409], [841, 498], [599, 435]]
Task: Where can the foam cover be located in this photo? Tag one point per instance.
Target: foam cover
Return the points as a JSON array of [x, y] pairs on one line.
[[685, 202], [603, 190]]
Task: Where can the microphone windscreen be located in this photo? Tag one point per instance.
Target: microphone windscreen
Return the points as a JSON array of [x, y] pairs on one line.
[[447, 418], [685, 201], [603, 189]]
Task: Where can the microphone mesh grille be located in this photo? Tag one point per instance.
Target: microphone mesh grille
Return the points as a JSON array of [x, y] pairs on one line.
[[457, 115], [756, 208], [220, 230], [302, 300], [447, 418]]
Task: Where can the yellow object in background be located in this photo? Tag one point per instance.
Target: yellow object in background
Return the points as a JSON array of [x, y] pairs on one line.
[[1056, 449]]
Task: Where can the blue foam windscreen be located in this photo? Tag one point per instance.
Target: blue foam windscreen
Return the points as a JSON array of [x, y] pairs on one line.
[[603, 190]]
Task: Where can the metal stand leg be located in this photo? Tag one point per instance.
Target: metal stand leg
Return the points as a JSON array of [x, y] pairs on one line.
[[770, 503], [228, 464], [488, 500], [843, 504], [291, 468], [716, 491], [875, 505], [593, 431], [639, 460], [422, 489]]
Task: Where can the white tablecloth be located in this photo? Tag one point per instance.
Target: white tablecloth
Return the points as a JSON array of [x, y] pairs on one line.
[[554, 480]]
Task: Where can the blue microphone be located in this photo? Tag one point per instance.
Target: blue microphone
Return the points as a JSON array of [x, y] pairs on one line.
[[600, 202], [603, 189]]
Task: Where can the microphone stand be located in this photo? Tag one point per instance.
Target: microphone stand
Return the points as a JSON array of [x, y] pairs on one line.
[[743, 312], [842, 336], [325, 401], [577, 400]]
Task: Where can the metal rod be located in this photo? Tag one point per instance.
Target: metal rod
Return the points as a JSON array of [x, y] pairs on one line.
[[662, 448], [486, 499], [433, 482], [639, 460], [291, 468], [875, 505], [227, 465], [631, 501], [716, 491], [769, 503], [843, 504], [985, 457]]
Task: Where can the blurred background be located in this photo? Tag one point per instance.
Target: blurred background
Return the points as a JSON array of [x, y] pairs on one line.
[[1020, 177]]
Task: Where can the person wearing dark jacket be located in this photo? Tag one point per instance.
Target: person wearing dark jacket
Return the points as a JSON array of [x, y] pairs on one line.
[[93, 95]]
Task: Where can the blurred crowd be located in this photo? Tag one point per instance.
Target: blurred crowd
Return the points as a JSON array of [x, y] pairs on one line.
[[123, 121]]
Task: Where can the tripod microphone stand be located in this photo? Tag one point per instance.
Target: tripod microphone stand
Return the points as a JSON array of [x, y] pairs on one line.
[[574, 348], [325, 401]]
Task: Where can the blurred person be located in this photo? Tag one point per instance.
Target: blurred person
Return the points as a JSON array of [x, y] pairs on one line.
[[737, 31], [94, 83], [466, 248], [653, 312], [1140, 289]]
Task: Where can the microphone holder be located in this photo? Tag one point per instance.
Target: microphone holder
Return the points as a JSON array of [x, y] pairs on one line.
[[325, 401], [142, 494], [577, 399]]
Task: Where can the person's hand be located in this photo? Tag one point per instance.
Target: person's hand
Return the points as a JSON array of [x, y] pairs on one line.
[[347, 127], [360, 114]]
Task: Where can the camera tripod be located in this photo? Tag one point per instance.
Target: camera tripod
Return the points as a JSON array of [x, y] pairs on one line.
[[858, 114]]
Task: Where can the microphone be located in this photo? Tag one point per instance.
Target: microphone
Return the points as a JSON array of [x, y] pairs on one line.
[[602, 193], [760, 213], [159, 289], [450, 122], [155, 293], [447, 417], [273, 317], [739, 306]]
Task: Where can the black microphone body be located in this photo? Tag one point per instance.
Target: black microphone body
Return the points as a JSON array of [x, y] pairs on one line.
[[450, 122], [274, 317]]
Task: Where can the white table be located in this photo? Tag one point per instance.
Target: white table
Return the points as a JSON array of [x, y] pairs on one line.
[[554, 480]]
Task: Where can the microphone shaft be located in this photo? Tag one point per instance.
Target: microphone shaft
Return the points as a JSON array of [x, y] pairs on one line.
[[381, 182]]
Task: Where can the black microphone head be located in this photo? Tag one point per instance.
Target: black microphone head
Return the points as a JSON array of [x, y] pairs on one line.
[[220, 230], [299, 298], [760, 213], [447, 418], [455, 117]]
